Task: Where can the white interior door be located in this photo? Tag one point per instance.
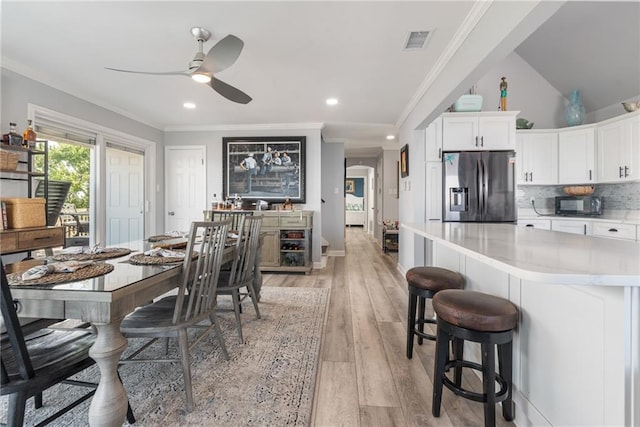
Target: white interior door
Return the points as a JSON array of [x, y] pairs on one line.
[[125, 195], [185, 186]]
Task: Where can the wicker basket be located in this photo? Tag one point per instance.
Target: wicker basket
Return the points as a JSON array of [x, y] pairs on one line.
[[8, 160], [25, 213], [579, 190]]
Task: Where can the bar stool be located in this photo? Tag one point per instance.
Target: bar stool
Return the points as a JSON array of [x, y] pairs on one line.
[[485, 319], [423, 283]]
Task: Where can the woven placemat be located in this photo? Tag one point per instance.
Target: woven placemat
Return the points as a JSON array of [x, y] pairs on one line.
[[173, 244], [93, 270], [161, 237], [142, 259], [112, 253]]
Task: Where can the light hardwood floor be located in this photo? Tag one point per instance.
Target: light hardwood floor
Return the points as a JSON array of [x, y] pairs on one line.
[[364, 377]]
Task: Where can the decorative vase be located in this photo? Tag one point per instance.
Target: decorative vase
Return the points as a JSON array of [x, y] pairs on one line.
[[574, 114]]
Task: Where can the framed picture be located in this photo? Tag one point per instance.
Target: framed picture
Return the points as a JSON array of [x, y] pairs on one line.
[[349, 186], [264, 168], [404, 161]]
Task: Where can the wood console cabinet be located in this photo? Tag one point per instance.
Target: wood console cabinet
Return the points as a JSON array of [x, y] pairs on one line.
[[286, 245], [27, 239]]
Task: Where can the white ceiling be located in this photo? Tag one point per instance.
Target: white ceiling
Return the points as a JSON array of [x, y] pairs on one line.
[[296, 55], [590, 46]]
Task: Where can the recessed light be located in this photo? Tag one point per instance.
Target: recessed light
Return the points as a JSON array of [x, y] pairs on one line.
[[332, 101], [390, 137], [201, 78], [189, 105]]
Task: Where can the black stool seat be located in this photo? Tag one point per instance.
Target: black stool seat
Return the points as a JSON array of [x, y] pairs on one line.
[[424, 283], [484, 319]]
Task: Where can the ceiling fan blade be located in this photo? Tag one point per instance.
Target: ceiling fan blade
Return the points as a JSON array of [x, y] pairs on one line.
[[222, 55], [229, 92], [165, 73]]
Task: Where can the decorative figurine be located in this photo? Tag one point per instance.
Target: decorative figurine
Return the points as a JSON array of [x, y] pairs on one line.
[[503, 94], [287, 205]]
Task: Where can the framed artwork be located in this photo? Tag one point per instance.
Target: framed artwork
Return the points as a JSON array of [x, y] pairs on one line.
[[349, 186], [268, 168], [404, 161]]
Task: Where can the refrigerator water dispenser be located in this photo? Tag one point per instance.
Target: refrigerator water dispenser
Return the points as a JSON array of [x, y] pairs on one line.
[[459, 199]]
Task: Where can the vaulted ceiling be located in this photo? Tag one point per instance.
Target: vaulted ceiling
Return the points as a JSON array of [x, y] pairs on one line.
[[296, 55]]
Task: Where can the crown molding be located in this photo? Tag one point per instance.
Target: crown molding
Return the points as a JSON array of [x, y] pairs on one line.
[[46, 79], [246, 127], [471, 20]]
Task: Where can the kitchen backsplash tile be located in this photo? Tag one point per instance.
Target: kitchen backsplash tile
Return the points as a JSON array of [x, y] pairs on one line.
[[615, 196]]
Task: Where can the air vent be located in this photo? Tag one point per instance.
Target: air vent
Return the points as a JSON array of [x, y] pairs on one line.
[[416, 40]]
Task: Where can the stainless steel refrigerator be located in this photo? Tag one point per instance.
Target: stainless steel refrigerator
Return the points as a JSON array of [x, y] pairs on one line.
[[479, 186]]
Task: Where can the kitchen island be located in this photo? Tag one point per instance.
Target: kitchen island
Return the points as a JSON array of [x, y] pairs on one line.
[[577, 346]]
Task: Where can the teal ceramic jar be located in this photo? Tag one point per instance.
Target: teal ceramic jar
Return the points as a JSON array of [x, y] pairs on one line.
[[574, 114]]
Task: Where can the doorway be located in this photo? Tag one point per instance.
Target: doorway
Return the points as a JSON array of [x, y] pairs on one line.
[[185, 184], [360, 197], [125, 194]]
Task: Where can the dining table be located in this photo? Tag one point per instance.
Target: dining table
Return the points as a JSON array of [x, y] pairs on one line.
[[104, 301]]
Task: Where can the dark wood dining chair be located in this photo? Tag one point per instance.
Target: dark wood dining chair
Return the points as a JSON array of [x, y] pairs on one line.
[[174, 317], [40, 360], [238, 281]]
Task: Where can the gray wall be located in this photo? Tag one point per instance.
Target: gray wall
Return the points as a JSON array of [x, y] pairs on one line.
[[333, 195], [18, 91], [212, 140]]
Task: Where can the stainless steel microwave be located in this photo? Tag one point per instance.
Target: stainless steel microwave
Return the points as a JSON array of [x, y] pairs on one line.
[[578, 205]]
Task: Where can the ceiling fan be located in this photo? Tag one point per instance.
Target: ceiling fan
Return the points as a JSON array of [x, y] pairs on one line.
[[203, 67]]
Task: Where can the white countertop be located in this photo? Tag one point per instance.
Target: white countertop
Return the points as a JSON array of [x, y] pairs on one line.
[[541, 255]]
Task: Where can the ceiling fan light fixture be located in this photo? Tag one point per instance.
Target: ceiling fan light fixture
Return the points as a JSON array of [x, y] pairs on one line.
[[201, 78]]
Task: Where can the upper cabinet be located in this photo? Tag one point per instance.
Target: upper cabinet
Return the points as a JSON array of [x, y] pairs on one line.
[[479, 131], [618, 148], [433, 141], [537, 158], [576, 155]]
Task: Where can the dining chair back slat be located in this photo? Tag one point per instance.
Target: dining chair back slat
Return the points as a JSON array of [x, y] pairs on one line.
[[237, 218], [242, 270], [176, 315]]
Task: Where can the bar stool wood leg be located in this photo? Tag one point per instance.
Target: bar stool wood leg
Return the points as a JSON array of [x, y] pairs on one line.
[[488, 321], [458, 355], [505, 352], [421, 311], [411, 318], [442, 352], [424, 283], [489, 383]]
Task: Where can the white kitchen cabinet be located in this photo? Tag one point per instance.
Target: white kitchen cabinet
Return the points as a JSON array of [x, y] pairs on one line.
[[618, 149], [433, 187], [576, 156], [543, 224], [571, 226], [614, 230], [537, 157], [479, 131], [433, 141]]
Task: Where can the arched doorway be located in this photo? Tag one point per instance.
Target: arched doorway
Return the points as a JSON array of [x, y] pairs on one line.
[[360, 197]]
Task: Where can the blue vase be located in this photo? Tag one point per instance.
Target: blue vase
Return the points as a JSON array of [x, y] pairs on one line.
[[574, 114]]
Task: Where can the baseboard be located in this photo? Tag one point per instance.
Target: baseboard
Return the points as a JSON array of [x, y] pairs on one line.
[[336, 253]]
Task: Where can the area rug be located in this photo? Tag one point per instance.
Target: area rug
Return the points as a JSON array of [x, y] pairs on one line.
[[268, 381]]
